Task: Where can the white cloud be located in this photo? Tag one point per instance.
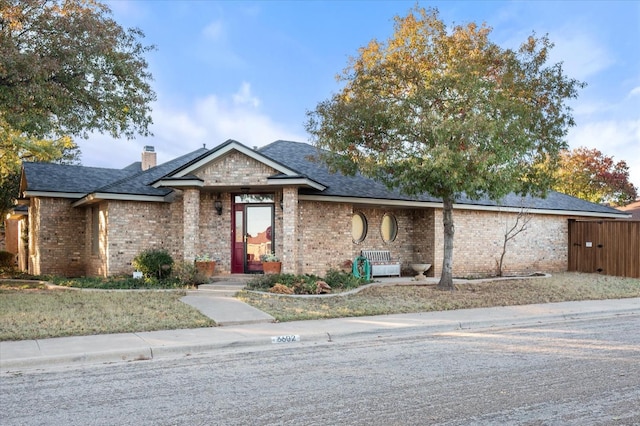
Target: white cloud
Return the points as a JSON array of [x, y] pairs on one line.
[[619, 139], [178, 130], [581, 54], [244, 96], [635, 91], [214, 31]]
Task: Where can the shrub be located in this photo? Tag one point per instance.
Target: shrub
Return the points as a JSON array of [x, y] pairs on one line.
[[7, 259], [306, 284], [344, 280], [154, 263], [186, 273]]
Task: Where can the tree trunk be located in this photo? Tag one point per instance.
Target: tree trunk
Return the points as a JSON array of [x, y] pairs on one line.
[[446, 278]]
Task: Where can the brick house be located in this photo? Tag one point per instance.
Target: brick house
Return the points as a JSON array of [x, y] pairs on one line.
[[235, 203]]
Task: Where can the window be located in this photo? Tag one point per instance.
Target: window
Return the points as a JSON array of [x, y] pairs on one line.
[[358, 227], [389, 228], [95, 230]]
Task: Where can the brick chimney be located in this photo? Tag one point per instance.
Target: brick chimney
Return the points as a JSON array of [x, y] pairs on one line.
[[148, 157]]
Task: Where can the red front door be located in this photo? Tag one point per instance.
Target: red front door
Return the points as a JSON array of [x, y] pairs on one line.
[[252, 235]]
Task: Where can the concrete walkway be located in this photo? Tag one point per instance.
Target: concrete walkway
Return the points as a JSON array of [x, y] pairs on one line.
[[217, 302], [242, 325]]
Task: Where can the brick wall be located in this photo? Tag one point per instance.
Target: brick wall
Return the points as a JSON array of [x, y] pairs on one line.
[[215, 230], [236, 169], [325, 240], [324, 236], [478, 243], [136, 226], [57, 237]]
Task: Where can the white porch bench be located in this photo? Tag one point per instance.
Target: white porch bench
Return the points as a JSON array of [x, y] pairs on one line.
[[381, 263]]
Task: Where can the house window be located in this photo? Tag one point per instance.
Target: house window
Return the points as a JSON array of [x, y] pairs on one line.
[[95, 230], [358, 227], [389, 228]]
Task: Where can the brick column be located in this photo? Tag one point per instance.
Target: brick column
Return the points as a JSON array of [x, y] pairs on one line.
[[290, 230], [191, 223]]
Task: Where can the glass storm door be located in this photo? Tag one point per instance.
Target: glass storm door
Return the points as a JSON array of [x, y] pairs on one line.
[[252, 232]]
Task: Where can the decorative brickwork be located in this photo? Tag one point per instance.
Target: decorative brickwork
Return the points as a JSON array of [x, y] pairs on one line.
[[236, 169]]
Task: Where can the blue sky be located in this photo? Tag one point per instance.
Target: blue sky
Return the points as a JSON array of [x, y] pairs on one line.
[[250, 70]]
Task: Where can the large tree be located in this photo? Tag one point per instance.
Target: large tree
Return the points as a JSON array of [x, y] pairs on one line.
[[448, 112], [67, 68], [589, 174]]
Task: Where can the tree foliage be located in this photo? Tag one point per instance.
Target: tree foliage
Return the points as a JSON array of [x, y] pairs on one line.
[[16, 148], [67, 68], [448, 112], [591, 175]]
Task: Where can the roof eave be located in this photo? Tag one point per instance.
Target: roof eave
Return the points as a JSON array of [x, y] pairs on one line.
[[96, 197], [179, 183], [435, 204], [300, 181], [53, 194]]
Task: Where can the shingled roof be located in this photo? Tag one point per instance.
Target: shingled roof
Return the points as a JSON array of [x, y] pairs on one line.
[[300, 157], [78, 181], [298, 160]]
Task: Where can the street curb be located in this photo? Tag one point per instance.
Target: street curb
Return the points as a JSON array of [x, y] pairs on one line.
[[103, 357], [330, 334]]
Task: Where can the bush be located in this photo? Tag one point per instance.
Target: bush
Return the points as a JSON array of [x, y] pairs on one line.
[[154, 263], [7, 259], [118, 283], [344, 280], [186, 273], [305, 284]]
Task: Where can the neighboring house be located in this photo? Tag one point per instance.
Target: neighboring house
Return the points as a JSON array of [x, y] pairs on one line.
[[234, 202], [633, 209]]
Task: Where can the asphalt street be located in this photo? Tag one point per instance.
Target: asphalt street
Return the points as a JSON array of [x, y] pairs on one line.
[[570, 372]]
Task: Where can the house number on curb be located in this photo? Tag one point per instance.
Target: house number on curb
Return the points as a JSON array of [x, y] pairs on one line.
[[285, 339]]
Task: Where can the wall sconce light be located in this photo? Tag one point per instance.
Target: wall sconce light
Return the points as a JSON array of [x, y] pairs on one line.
[[217, 204]]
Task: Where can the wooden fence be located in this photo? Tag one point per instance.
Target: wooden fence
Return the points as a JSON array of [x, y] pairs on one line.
[[605, 247]]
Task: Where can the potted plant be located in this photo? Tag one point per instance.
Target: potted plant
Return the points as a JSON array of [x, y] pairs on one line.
[[270, 263], [205, 265]]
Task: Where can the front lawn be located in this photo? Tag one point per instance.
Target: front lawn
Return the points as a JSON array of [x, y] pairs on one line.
[[379, 300], [30, 311]]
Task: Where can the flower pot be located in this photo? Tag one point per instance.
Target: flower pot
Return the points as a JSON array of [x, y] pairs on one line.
[[205, 267], [420, 269], [271, 267]]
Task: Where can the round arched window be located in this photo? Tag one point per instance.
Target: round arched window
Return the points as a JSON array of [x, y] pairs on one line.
[[358, 227], [389, 228]]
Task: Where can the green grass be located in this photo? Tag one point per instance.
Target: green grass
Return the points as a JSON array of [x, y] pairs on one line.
[[413, 298], [114, 283], [28, 311]]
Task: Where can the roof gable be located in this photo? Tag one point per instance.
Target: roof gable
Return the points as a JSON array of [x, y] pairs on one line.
[[280, 173]]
